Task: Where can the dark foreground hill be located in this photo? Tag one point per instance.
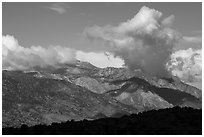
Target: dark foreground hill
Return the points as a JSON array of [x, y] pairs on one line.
[[172, 121]]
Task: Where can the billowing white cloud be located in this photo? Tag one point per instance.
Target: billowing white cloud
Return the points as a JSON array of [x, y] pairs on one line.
[[14, 56], [101, 60], [143, 42], [187, 65]]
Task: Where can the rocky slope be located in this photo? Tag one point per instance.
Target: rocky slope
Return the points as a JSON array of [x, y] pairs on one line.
[[31, 100], [83, 91]]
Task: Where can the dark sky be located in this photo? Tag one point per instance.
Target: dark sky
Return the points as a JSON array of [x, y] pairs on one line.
[[63, 23]]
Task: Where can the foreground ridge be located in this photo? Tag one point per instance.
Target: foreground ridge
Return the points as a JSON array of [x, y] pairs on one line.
[[174, 121]]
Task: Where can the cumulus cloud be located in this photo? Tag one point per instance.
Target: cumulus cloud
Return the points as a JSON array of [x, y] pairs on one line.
[[187, 65], [101, 60], [143, 42], [59, 7], [16, 57]]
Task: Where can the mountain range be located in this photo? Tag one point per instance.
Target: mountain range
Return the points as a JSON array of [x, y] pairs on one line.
[[81, 91]]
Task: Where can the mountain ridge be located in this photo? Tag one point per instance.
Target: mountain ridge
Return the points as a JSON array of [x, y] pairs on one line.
[[82, 91]]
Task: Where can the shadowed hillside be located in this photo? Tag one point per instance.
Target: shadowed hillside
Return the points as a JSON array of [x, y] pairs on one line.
[[172, 121]]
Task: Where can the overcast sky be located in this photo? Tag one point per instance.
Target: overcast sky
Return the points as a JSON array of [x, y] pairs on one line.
[[63, 23]]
